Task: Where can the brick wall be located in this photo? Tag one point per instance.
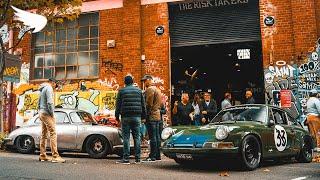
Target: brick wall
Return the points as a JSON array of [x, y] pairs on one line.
[[317, 8], [295, 31]]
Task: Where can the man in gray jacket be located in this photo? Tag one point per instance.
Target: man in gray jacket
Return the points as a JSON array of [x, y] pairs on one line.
[[48, 122]]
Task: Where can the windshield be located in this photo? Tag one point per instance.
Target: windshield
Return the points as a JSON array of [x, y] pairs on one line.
[[81, 117], [256, 113]]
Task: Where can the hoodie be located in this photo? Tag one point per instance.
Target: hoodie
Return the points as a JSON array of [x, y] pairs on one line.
[[45, 103]]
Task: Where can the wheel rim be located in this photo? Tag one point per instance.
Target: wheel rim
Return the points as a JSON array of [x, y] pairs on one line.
[[97, 146], [251, 152], [307, 150], [26, 143]]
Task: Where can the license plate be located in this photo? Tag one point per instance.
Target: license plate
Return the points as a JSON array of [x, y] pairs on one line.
[[184, 156]]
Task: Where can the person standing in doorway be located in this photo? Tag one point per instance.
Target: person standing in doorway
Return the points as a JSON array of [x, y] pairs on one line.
[[183, 110], [130, 105], [313, 116], [227, 101], [208, 108], [249, 97], [196, 107], [153, 105], [48, 122]]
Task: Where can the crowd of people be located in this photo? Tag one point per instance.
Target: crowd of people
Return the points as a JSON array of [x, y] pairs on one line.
[[202, 109]]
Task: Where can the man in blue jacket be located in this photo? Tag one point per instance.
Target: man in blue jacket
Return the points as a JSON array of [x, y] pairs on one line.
[[130, 105]]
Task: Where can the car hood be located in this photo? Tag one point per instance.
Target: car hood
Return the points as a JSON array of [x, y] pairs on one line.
[[197, 136]]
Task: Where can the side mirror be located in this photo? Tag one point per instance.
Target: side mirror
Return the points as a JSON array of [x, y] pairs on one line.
[[271, 122]]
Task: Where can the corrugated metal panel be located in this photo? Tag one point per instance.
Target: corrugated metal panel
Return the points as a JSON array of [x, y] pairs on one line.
[[214, 25]]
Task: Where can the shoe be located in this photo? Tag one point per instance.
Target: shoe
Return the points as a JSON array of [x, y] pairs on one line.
[[58, 160], [123, 162], [137, 161], [43, 159], [149, 160]]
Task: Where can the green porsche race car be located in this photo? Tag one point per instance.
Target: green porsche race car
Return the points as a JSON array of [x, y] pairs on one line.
[[251, 133]]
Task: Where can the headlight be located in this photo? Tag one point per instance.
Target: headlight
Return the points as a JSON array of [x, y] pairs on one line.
[[222, 132], [167, 132]]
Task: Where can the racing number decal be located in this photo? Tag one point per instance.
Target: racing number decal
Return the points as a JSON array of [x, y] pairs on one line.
[[280, 137]]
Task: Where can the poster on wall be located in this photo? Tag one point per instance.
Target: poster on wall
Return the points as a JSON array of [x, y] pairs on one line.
[[12, 68], [285, 99]]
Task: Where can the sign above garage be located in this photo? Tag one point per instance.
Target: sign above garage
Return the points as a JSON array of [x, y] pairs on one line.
[[210, 4]]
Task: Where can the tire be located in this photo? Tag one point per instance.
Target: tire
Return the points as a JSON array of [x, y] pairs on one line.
[[97, 146], [25, 144], [250, 152], [306, 152]]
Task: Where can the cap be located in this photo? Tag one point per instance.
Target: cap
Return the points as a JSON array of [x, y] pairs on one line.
[[145, 77]]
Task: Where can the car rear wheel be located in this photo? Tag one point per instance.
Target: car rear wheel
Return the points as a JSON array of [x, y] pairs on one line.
[[97, 146], [306, 152], [250, 152], [25, 144]]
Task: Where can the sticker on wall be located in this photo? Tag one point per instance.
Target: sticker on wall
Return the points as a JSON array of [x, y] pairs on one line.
[[280, 138], [315, 56]]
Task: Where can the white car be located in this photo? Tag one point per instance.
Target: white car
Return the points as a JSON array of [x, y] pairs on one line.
[[77, 131]]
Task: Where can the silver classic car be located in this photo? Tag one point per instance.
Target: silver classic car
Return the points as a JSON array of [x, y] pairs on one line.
[[76, 130]]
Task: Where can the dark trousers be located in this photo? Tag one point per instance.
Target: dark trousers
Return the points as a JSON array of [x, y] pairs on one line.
[[155, 141], [133, 124]]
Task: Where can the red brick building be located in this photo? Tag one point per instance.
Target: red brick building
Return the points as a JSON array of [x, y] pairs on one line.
[[128, 42]]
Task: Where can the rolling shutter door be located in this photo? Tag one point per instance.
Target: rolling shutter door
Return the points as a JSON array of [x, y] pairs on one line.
[[213, 25]]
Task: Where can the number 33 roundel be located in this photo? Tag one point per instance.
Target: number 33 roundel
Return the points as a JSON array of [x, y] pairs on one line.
[[280, 137]]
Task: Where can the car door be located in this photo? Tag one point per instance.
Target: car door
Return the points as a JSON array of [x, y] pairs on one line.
[[66, 131], [284, 136]]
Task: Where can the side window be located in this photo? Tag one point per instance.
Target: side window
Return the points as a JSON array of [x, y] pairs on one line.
[[37, 121], [291, 120], [61, 118], [279, 117]]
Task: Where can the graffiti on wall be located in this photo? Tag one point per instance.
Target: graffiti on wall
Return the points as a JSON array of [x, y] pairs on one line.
[[98, 98], [153, 67], [298, 78], [112, 66]]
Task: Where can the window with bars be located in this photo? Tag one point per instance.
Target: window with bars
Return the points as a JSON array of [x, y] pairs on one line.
[[69, 50]]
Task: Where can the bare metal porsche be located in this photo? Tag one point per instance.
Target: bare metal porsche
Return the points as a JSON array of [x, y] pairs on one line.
[[76, 130]]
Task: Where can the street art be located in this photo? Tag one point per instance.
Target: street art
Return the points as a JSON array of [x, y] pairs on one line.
[[79, 100], [153, 67], [98, 98], [299, 79], [112, 66]]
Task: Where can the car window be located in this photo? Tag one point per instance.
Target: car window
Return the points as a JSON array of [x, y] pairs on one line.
[[61, 118], [279, 117], [37, 121], [248, 113], [81, 117], [291, 120]]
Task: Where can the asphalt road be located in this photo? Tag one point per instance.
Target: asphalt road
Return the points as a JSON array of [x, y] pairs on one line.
[[79, 166]]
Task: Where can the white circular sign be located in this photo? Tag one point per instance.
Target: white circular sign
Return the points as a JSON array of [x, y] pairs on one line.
[[4, 33], [315, 56], [280, 138]]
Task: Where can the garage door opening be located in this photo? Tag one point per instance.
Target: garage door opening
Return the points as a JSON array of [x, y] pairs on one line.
[[220, 68]]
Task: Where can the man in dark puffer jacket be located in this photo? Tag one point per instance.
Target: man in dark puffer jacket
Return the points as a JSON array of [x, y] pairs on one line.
[[131, 106]]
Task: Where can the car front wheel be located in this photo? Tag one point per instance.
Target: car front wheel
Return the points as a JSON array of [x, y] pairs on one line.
[[97, 146], [250, 152], [25, 144]]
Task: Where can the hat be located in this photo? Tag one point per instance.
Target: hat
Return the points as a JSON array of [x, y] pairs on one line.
[[128, 80], [145, 77], [52, 80], [314, 91]]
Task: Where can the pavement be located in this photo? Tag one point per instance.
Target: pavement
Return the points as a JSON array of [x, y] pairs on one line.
[[79, 166]]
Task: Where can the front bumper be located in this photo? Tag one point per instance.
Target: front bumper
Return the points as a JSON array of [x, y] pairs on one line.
[[8, 141], [200, 153]]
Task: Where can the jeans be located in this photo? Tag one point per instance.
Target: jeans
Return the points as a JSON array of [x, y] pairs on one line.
[[197, 120], [155, 141], [133, 124]]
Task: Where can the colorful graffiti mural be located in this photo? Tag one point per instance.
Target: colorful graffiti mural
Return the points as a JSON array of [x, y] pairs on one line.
[[97, 98], [298, 78]]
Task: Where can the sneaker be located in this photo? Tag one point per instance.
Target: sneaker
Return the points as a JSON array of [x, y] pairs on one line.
[[43, 159], [123, 162], [58, 160], [149, 160]]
